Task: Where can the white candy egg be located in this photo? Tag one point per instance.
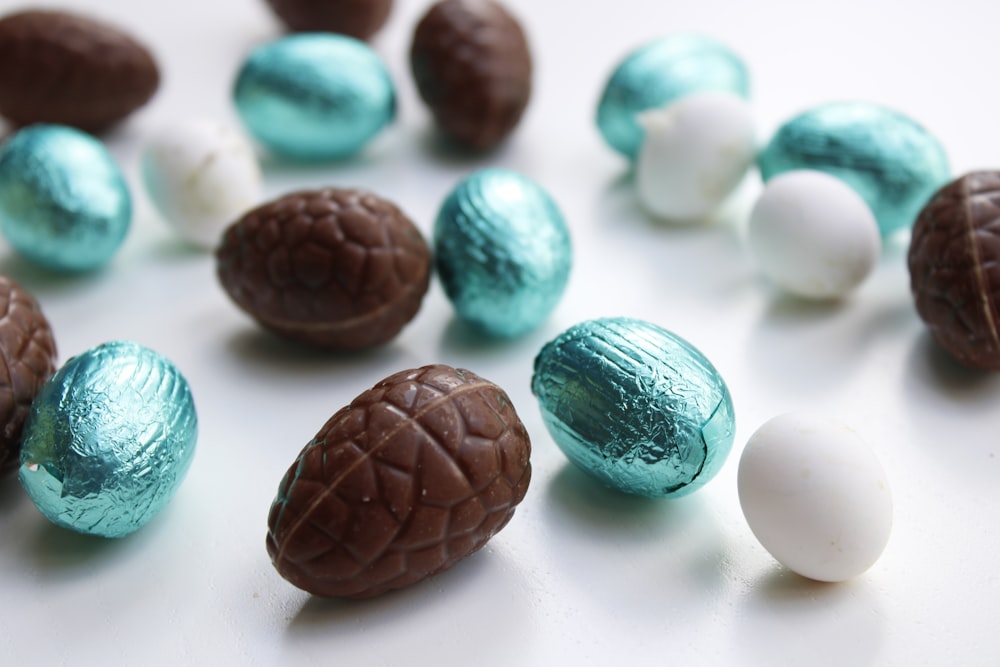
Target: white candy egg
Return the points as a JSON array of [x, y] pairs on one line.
[[695, 152], [201, 175], [815, 496], [813, 235]]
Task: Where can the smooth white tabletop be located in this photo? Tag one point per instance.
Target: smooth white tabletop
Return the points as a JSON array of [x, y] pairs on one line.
[[581, 575]]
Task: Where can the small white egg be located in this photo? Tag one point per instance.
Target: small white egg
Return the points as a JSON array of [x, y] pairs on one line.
[[813, 235], [815, 496], [201, 175], [695, 152]]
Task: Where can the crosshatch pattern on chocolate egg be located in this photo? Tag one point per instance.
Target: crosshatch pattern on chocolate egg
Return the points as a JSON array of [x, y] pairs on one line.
[[954, 263], [415, 474], [335, 268]]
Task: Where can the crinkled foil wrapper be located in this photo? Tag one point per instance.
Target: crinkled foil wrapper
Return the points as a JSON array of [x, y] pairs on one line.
[[658, 73], [502, 251], [892, 162], [64, 203], [109, 439], [635, 406], [315, 96]]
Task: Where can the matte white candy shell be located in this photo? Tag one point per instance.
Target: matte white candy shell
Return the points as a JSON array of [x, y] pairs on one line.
[[815, 496], [813, 235], [694, 153], [201, 175]]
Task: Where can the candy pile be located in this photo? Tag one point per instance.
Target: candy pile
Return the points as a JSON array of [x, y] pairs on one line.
[[426, 466]]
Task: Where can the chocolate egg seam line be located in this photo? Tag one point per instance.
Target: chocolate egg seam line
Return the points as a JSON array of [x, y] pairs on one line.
[[367, 454]]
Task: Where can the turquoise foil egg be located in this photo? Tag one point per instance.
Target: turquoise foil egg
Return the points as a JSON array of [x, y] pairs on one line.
[[108, 440], [502, 252], [314, 96], [635, 405], [659, 73], [890, 160], [64, 203]]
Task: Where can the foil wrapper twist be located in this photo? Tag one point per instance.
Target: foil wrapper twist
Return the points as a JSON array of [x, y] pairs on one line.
[[109, 439], [635, 405]]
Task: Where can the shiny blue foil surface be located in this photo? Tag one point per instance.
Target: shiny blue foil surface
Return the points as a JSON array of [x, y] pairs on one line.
[[109, 439], [315, 96], [892, 162], [64, 203], [635, 406], [658, 73], [502, 252]]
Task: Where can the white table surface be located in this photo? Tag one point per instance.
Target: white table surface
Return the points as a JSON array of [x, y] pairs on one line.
[[581, 575]]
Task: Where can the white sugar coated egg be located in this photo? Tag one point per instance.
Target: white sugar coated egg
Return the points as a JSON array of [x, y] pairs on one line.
[[815, 496], [813, 235], [201, 175], [695, 152]]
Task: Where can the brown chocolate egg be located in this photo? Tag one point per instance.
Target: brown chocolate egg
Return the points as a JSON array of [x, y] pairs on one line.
[[357, 18], [342, 269], [473, 68], [27, 360], [58, 67], [414, 475], [954, 263]]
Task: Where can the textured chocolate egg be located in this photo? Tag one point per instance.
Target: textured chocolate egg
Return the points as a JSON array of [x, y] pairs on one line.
[[472, 66], [27, 360], [337, 268], [59, 67], [414, 475], [954, 263], [357, 18]]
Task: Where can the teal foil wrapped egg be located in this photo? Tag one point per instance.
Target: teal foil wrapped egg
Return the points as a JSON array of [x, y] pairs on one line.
[[109, 439], [315, 96], [659, 73], [635, 405], [502, 251], [894, 163], [64, 203]]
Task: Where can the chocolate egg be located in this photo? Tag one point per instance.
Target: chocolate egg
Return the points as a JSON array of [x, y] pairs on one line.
[[658, 73], [109, 440], [357, 18], [502, 251], [27, 360], [59, 67], [954, 263], [342, 269], [472, 66], [315, 96], [890, 160], [64, 203], [414, 475], [635, 406]]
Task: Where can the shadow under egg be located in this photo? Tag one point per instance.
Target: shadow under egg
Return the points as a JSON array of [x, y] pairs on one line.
[[824, 615]]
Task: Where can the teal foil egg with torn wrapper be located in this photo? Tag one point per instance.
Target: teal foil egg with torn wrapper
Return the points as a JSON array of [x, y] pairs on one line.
[[635, 406], [109, 440], [889, 159], [659, 73], [502, 251], [315, 96]]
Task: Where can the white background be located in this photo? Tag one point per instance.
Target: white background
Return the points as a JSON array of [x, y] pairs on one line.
[[581, 575]]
